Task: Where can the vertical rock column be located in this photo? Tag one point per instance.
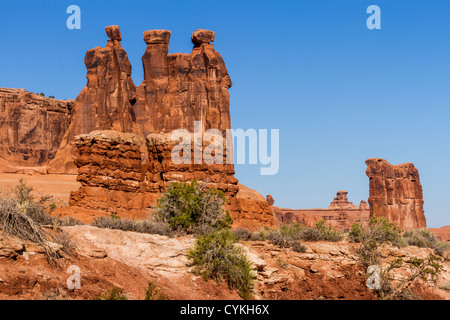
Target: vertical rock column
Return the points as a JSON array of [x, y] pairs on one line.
[[396, 193], [106, 101]]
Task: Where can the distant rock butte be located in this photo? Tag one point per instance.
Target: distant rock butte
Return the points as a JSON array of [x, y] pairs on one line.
[[396, 193], [341, 213]]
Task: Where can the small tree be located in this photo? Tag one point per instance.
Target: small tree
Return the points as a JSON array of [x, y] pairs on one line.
[[193, 208], [216, 256]]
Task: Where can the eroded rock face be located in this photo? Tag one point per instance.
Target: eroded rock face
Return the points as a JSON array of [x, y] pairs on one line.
[[106, 101], [251, 210], [31, 127], [116, 177], [179, 89], [396, 193], [341, 201]]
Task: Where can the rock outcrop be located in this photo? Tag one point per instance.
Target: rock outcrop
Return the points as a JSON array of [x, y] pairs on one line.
[[396, 193], [31, 127], [251, 210], [117, 177], [341, 202], [106, 101]]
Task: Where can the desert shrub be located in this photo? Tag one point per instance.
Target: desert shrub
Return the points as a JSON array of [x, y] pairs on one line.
[[443, 249], [385, 231], [297, 246], [328, 232], [392, 288], [242, 234], [446, 286], [378, 231], [153, 292], [281, 263], [311, 234], [424, 238], [141, 226], [256, 236], [368, 252], [262, 235], [23, 217], [193, 208], [279, 239], [295, 231], [112, 294], [356, 232], [292, 230], [216, 256]]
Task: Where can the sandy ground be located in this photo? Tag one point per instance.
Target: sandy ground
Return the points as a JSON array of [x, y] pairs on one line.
[[58, 186]]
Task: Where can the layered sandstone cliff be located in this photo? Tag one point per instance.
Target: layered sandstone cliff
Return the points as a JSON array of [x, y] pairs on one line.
[[396, 193], [31, 127], [117, 177]]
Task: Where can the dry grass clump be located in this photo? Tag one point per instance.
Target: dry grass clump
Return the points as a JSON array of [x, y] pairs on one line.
[[140, 226], [23, 217]]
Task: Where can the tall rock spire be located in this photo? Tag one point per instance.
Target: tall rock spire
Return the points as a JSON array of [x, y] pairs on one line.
[[106, 101]]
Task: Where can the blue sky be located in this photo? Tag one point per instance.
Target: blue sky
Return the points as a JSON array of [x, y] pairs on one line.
[[339, 92]]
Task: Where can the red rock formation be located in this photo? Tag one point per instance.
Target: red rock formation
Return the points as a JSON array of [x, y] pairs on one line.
[[105, 103], [31, 127], [341, 213], [251, 210], [116, 177], [111, 173], [270, 199], [179, 89], [396, 193], [341, 201]]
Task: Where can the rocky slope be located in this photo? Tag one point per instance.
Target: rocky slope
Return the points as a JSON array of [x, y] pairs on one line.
[[127, 260]]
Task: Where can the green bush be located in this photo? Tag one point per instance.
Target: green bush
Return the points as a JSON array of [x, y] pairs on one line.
[[280, 239], [297, 246], [193, 208], [153, 292], [311, 235], [216, 256], [424, 238], [328, 232], [426, 270], [385, 231], [377, 232], [112, 294], [242, 234], [356, 232]]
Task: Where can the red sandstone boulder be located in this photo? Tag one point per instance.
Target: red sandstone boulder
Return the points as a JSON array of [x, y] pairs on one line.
[[396, 193]]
